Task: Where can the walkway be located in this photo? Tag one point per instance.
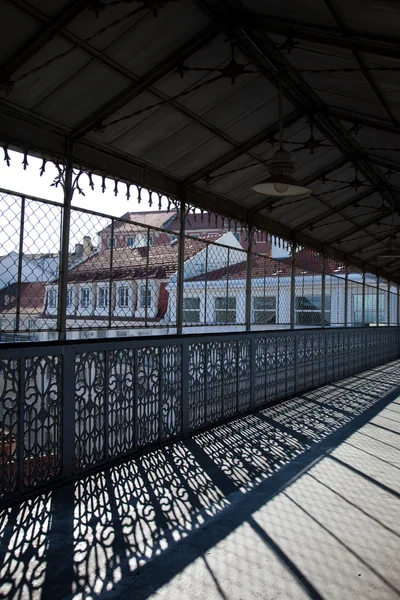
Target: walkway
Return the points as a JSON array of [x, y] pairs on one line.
[[297, 501]]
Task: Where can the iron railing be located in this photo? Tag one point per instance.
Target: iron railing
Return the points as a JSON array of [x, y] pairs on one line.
[[68, 408]]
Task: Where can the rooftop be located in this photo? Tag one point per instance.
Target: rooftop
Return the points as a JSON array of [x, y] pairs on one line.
[[31, 299], [156, 262]]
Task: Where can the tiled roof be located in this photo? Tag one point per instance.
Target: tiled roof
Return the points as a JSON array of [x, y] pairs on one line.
[[159, 262], [31, 298], [168, 219], [153, 218], [265, 267]]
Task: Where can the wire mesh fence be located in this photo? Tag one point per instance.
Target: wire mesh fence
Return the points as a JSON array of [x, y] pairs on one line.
[[143, 273], [214, 283], [270, 292], [30, 240]]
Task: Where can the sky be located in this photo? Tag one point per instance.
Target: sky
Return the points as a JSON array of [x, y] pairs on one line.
[[42, 222]]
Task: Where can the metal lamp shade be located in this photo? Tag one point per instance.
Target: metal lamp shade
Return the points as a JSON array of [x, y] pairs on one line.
[[392, 250], [281, 183]]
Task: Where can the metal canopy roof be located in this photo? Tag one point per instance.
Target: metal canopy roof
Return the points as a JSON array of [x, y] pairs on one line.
[[135, 87]]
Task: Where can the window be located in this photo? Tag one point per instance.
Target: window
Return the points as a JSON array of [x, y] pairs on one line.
[[85, 297], [112, 242], [308, 310], [145, 297], [225, 310], [369, 307], [52, 298], [123, 297], [31, 324], [70, 298], [103, 297], [151, 240], [191, 310], [264, 310], [130, 241], [1, 323]]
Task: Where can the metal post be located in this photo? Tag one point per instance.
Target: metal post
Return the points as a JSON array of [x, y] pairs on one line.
[[398, 305], [249, 268], [185, 388], [363, 301], [110, 280], [66, 222], [293, 287], [388, 303], [346, 296], [227, 288], [20, 256], [67, 399], [146, 310], [181, 264], [377, 300], [323, 284], [21, 422], [205, 287]]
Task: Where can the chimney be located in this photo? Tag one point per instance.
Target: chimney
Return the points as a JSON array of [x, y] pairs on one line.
[[143, 251], [87, 246], [78, 249]]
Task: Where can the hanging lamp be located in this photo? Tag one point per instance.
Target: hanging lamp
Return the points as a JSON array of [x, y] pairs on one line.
[[281, 183], [392, 249]]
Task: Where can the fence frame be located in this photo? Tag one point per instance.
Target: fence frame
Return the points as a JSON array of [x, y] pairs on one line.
[[260, 367]]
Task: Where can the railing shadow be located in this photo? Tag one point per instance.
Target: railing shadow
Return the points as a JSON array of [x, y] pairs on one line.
[[129, 530]]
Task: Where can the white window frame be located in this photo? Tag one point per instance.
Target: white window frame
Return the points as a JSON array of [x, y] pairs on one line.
[[191, 314], [86, 303], [53, 297], [230, 312], [70, 298], [103, 297], [258, 313], [123, 295], [143, 293]]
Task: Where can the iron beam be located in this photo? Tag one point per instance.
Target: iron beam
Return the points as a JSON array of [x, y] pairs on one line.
[[360, 227], [41, 38], [346, 34], [151, 77], [253, 142], [334, 210], [327, 36]]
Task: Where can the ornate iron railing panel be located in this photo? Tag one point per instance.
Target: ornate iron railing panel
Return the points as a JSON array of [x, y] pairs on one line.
[[69, 408]]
